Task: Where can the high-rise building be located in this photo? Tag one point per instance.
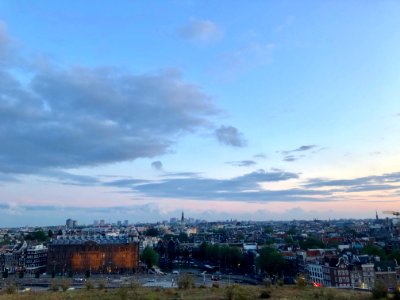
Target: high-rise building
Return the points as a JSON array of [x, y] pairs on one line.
[[69, 223]]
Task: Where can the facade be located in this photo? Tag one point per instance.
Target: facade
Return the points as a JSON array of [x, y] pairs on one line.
[[102, 254], [12, 258], [368, 276], [386, 272], [315, 273], [36, 259]]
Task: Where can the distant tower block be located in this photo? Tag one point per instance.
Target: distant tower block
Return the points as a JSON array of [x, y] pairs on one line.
[[182, 218]]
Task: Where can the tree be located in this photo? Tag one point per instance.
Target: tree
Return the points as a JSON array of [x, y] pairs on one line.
[[310, 243], [183, 237], [149, 256], [50, 233], [270, 260], [152, 232], [374, 250]]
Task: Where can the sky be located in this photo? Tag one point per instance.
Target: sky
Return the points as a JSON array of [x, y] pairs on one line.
[[139, 110]]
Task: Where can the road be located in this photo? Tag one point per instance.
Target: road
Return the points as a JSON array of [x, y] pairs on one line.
[[114, 281]]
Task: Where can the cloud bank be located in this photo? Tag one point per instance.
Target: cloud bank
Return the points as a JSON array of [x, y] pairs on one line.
[[54, 117]]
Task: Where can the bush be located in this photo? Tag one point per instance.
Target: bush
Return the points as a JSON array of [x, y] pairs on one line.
[[89, 285], [102, 284], [185, 282], [265, 295], [267, 282], [396, 294], [54, 286], [238, 292], [11, 289], [379, 291], [301, 282], [64, 284], [280, 282], [215, 285]]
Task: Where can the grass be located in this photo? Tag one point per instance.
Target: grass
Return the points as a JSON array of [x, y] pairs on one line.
[[229, 293]]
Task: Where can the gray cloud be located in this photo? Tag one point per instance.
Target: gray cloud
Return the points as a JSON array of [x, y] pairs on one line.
[[181, 174], [300, 149], [242, 188], [241, 163], [73, 117], [372, 187], [305, 148], [157, 165], [260, 155], [290, 158], [201, 31], [386, 181], [230, 136], [292, 155]]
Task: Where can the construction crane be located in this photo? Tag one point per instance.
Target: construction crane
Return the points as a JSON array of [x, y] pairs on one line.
[[391, 212]]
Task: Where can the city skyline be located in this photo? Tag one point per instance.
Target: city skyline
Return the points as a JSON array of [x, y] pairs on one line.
[[251, 111]]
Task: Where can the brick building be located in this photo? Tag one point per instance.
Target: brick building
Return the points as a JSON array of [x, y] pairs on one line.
[[101, 254]]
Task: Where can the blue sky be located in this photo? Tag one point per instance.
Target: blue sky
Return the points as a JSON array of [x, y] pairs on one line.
[[229, 109]]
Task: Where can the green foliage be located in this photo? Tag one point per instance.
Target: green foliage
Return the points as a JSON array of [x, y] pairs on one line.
[[21, 274], [38, 235], [395, 254], [292, 230], [268, 229], [183, 237], [301, 282], [185, 282], [310, 243], [5, 273], [270, 260], [374, 250], [154, 232], [149, 256], [224, 256], [11, 289], [379, 291]]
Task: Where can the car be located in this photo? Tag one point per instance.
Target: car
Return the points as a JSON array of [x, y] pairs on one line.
[[175, 272]]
